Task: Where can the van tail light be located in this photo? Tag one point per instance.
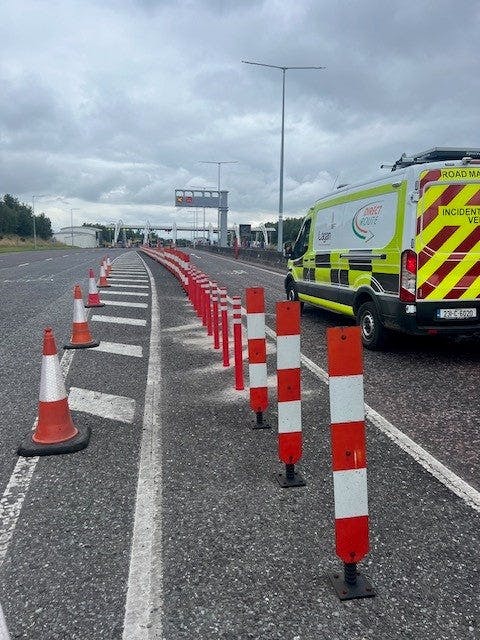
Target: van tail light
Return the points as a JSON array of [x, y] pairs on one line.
[[408, 276]]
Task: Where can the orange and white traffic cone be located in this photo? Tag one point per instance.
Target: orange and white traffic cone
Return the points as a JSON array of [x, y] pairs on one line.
[[109, 266], [103, 282], [81, 336], [93, 295], [4, 635], [54, 431]]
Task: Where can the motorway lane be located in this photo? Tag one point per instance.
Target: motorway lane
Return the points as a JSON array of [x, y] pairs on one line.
[[66, 568], [426, 387], [243, 558]]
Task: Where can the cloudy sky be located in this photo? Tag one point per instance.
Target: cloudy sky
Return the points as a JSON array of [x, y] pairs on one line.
[[107, 106]]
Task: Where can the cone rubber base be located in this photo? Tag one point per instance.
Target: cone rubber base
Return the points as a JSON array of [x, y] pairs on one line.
[[361, 589], [89, 306], [296, 481], [85, 345], [29, 448]]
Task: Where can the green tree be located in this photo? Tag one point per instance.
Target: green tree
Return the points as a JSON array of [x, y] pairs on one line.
[[43, 226]]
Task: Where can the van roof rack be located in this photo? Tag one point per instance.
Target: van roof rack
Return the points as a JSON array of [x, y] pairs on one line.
[[437, 154]]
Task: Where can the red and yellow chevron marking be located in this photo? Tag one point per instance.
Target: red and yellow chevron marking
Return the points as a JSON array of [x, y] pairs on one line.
[[448, 236]]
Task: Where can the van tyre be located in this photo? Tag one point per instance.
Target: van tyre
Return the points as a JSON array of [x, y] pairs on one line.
[[374, 334]]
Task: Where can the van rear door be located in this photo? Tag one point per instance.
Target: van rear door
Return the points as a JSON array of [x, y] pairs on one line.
[[448, 238]]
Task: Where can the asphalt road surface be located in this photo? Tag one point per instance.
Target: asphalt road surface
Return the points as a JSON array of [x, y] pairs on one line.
[[171, 524]]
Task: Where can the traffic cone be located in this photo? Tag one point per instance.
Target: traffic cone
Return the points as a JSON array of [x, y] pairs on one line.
[[81, 336], [93, 295], [109, 266], [103, 282], [54, 430]]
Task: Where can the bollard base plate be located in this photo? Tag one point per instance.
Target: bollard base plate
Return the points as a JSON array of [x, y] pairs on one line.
[[361, 589], [261, 425], [296, 481]]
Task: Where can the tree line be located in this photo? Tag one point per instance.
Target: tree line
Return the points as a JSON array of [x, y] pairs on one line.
[[17, 218]]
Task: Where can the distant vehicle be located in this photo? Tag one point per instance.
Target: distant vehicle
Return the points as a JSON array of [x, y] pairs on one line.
[[399, 252]]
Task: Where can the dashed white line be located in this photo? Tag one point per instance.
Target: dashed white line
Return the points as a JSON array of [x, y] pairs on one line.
[[24, 264], [48, 259], [119, 303], [105, 405], [119, 348], [117, 320], [65, 256]]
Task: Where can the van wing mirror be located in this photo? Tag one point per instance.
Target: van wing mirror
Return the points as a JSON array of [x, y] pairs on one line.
[[287, 250]]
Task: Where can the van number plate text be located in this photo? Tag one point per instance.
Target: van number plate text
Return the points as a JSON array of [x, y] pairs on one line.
[[456, 314]]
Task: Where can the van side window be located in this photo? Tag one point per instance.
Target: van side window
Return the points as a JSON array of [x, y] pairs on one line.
[[301, 243]]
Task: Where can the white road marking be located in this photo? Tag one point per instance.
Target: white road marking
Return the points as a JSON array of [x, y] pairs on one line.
[[105, 405], [442, 473], [119, 303], [121, 349], [145, 557], [124, 293], [47, 259], [24, 264], [116, 320], [14, 495], [132, 286], [114, 278], [65, 256]]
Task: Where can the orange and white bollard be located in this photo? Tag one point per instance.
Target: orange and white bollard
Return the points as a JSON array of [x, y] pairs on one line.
[[257, 354], [81, 336], [4, 635], [204, 288], [103, 282], [224, 315], [237, 342], [93, 295], [349, 460], [108, 266], [54, 430], [215, 322], [289, 392], [209, 307]]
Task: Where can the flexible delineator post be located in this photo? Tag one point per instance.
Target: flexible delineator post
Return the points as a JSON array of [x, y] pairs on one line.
[[237, 341], [215, 323], [289, 392], [224, 315], [209, 307], [349, 460], [257, 353]]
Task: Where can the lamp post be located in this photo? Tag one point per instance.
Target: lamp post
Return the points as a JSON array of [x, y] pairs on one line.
[[71, 221], [219, 164], [33, 216], [280, 196]]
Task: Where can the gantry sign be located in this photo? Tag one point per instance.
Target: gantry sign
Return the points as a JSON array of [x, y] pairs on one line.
[[208, 199]]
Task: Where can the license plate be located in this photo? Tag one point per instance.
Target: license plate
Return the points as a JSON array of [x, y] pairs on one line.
[[456, 314]]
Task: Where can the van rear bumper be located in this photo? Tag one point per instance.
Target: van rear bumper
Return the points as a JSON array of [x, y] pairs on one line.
[[424, 320]]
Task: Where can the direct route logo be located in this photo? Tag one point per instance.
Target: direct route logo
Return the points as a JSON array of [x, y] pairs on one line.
[[365, 219]]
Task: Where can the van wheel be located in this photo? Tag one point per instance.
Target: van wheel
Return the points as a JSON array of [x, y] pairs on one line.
[[374, 334], [292, 294]]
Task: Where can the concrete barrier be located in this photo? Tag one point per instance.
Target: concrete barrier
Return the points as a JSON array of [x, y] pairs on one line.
[[259, 256]]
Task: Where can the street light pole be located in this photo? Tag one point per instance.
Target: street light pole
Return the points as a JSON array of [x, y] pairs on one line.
[[280, 196], [219, 164]]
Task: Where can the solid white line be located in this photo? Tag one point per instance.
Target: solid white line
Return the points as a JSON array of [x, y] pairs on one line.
[[145, 557], [131, 286], [105, 405], [116, 320], [442, 473], [18, 484], [24, 264], [120, 349], [124, 293], [119, 303]]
